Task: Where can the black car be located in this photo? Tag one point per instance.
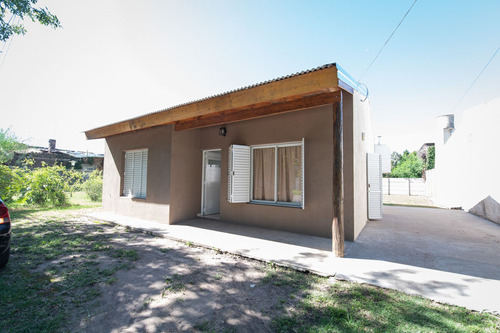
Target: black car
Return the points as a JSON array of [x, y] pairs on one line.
[[4, 234]]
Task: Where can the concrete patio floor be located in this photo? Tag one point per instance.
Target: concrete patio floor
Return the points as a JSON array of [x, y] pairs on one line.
[[448, 256]]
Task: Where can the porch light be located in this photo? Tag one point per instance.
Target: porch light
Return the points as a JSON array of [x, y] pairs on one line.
[[222, 131]]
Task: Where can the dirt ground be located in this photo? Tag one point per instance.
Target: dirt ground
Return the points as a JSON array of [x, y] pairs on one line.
[[173, 286]]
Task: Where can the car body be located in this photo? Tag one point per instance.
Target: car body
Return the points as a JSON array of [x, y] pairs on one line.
[[5, 232]]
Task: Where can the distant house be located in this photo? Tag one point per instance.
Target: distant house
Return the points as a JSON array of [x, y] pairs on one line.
[[79, 160], [289, 154]]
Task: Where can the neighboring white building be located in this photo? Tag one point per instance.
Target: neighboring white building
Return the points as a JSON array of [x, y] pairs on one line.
[[467, 172], [385, 153]]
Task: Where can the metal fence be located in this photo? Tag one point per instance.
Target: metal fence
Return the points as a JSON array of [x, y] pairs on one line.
[[406, 186]]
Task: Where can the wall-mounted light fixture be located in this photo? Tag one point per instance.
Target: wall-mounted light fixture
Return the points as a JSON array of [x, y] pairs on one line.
[[222, 131]]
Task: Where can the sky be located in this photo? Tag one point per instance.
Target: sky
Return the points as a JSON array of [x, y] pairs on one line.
[[117, 59]]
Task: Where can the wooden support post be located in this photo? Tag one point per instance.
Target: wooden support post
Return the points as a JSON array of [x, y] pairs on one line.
[[338, 182]]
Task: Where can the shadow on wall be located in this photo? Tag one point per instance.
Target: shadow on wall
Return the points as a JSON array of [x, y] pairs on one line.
[[487, 208]]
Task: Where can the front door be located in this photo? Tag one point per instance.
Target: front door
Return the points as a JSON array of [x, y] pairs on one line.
[[210, 197]]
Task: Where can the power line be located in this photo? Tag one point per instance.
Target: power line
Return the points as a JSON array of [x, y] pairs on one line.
[[387, 41], [477, 77], [8, 47]]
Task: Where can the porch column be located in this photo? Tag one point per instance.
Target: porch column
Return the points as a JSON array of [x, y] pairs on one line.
[[338, 181]]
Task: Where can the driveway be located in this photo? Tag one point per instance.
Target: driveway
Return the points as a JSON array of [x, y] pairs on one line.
[[447, 255], [440, 239]]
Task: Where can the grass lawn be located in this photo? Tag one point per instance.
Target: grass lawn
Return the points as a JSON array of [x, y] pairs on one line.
[[61, 264], [323, 305]]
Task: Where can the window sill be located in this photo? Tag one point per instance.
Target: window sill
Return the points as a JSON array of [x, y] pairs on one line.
[[277, 204], [133, 198]]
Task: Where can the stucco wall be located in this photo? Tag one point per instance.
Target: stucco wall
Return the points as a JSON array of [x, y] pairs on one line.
[[357, 120], [467, 164], [156, 205], [186, 175], [315, 125]]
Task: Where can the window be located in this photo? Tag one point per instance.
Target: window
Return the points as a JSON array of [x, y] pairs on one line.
[[277, 174], [267, 174], [136, 171]]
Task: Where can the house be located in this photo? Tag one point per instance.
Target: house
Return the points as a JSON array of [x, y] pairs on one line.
[[466, 165], [49, 156], [287, 154]]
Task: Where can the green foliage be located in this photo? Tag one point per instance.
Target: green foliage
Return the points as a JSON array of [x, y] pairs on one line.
[[9, 9], [409, 165], [12, 182], [431, 158], [9, 143], [47, 186], [93, 186]]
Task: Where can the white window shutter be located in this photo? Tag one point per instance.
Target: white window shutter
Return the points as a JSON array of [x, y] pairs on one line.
[[135, 174], [144, 175], [136, 183], [303, 175], [128, 174], [239, 174], [375, 202]]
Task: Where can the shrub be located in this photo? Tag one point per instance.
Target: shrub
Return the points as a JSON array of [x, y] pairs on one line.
[[46, 186], [12, 183], [93, 186]]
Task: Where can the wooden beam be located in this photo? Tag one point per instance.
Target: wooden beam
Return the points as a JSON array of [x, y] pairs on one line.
[[258, 111], [338, 182], [320, 80]]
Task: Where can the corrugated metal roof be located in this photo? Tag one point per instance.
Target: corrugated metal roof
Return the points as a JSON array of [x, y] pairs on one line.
[[232, 91]]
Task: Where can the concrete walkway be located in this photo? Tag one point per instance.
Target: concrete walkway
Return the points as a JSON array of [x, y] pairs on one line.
[[448, 256]]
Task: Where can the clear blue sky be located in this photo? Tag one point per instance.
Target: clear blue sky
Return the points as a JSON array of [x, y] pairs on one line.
[[114, 60]]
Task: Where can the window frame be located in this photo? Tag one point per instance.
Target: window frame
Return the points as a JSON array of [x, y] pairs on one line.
[[300, 204], [143, 175]]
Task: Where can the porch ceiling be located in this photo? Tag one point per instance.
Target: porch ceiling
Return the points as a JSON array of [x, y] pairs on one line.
[[303, 90]]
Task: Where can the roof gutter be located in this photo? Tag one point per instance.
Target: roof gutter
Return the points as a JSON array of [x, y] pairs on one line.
[[348, 83]]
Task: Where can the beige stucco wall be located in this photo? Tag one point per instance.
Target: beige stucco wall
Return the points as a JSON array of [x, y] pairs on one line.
[[156, 205], [357, 120], [315, 125]]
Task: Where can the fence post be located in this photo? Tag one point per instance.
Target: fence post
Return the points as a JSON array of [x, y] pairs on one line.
[[409, 186], [388, 186]]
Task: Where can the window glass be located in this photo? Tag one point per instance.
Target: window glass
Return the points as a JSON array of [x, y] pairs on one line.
[[290, 174], [264, 174]]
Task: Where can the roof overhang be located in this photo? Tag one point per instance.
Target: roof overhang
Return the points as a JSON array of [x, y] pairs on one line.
[[320, 86]]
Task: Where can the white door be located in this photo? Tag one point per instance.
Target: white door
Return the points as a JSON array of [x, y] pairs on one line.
[[210, 201], [374, 170]]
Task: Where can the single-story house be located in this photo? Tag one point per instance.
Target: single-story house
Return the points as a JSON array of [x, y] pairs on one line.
[[289, 154], [50, 156]]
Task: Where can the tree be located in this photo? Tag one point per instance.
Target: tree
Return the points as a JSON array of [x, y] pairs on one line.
[[9, 9], [431, 158], [395, 159], [9, 144], [408, 166]]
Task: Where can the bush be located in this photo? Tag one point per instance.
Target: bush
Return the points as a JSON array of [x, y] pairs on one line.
[[46, 186], [12, 183], [93, 186], [409, 166]]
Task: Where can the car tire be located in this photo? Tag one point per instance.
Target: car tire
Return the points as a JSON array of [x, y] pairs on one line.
[[4, 258]]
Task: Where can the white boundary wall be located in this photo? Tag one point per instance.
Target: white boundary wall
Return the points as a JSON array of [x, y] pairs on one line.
[[405, 186]]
